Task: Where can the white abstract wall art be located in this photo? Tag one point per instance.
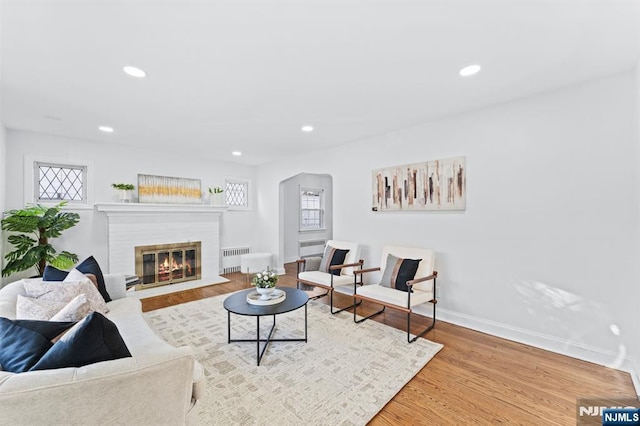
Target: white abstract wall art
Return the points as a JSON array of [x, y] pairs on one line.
[[430, 185], [168, 190]]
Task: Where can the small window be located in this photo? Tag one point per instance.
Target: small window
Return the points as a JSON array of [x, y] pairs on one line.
[[311, 209], [58, 182], [237, 193]]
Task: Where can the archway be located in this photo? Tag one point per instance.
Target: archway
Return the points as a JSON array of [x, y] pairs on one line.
[[306, 215]]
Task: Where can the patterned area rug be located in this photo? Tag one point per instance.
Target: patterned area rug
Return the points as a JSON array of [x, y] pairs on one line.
[[343, 375]]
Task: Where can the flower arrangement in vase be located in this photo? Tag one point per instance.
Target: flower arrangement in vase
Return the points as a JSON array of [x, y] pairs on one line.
[[265, 283]]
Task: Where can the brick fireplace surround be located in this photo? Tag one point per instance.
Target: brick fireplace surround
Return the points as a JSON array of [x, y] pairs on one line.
[[133, 224]]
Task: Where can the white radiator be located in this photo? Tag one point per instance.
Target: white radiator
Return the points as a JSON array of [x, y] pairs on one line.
[[230, 258], [309, 248]]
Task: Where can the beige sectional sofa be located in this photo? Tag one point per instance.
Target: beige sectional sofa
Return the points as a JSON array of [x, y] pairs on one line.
[[158, 385]]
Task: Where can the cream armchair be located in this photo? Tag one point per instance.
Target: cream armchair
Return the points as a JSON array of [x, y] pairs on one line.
[[333, 275], [407, 281]]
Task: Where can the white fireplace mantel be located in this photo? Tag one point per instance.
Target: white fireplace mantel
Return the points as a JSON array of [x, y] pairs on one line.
[[134, 224], [119, 208]]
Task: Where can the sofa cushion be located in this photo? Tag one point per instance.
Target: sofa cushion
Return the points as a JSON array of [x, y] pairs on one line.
[[87, 266], [332, 256], [24, 342], [398, 271], [394, 297], [29, 308], [94, 339], [65, 291], [324, 279], [78, 308]]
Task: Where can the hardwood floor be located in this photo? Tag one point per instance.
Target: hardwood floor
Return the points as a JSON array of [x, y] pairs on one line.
[[475, 379]]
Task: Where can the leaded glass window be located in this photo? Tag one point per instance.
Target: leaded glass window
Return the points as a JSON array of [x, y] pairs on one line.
[[58, 182], [237, 193]]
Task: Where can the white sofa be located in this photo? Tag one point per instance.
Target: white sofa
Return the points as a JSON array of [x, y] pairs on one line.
[[158, 385]]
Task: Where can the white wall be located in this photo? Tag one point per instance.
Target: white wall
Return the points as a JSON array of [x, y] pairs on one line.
[[3, 172], [547, 250], [636, 376], [3, 162], [3, 185], [117, 163], [290, 211]]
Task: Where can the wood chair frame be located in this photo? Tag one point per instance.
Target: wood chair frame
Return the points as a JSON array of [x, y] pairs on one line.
[[408, 310], [330, 287]]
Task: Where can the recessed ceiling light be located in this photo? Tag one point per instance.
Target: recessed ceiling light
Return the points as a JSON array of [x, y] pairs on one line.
[[307, 128], [470, 70], [53, 117], [134, 72], [236, 153], [106, 129]]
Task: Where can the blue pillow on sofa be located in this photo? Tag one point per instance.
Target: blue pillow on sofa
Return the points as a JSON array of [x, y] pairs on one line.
[[93, 339], [87, 266], [24, 342]]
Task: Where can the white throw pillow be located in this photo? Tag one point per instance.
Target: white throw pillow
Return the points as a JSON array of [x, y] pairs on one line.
[[75, 310], [75, 275], [29, 308], [65, 291]]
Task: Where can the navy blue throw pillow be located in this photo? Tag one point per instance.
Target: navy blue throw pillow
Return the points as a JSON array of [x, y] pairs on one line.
[[93, 339], [87, 266], [53, 274], [24, 342], [49, 329]]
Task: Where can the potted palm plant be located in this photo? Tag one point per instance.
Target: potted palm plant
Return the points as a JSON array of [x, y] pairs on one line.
[[32, 228]]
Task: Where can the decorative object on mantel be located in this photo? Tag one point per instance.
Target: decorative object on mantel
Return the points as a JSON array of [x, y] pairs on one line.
[[35, 225], [125, 191], [430, 185], [168, 190], [215, 196]]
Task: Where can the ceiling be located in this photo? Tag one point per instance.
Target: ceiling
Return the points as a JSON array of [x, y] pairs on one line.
[[246, 75]]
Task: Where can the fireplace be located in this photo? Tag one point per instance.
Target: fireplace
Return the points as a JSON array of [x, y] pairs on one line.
[[163, 264]]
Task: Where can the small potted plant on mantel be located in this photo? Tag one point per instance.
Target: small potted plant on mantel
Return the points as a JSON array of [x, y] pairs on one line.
[[125, 191], [215, 195]]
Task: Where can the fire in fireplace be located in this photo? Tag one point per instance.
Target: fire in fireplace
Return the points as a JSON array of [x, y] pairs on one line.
[[163, 264]]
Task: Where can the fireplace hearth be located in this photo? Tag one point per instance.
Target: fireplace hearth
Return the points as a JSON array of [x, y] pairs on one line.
[[163, 264]]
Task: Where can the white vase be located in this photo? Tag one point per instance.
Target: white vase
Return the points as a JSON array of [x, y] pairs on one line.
[[125, 195], [265, 293], [217, 199]]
